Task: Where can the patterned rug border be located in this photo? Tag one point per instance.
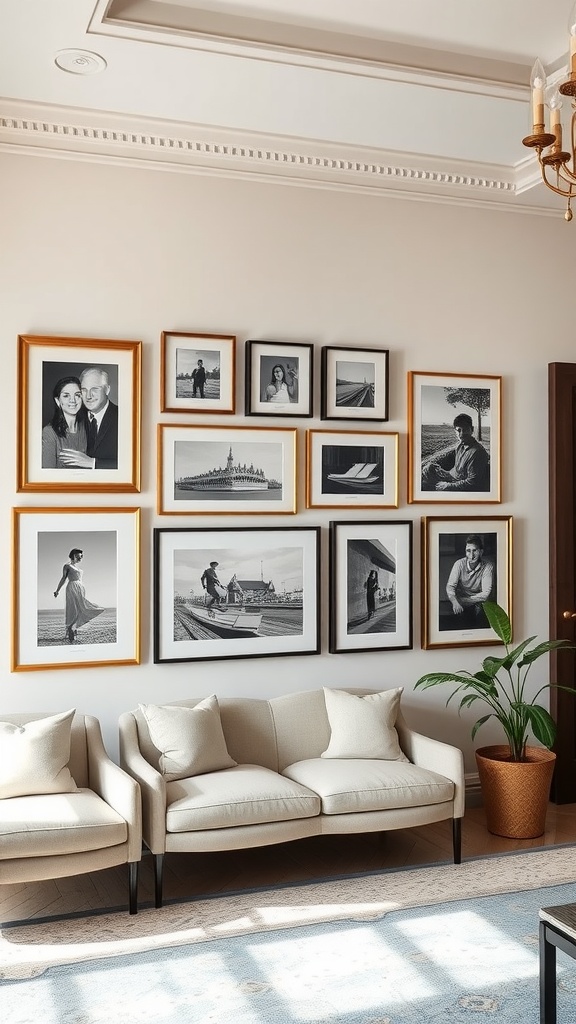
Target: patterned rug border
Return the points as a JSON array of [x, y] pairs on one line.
[[29, 948]]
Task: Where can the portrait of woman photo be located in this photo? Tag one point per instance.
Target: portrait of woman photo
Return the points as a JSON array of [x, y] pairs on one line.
[[78, 609], [67, 427], [279, 380], [79, 415]]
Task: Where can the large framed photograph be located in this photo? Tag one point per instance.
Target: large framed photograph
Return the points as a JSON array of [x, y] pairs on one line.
[[197, 372], [79, 414], [370, 586], [76, 587], [454, 438], [351, 469], [354, 383], [211, 470], [244, 593], [465, 562], [279, 379]]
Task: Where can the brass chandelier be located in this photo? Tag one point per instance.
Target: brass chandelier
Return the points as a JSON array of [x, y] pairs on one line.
[[553, 159]]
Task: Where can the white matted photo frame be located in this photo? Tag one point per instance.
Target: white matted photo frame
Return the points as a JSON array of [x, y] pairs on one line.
[[351, 469], [78, 414], [76, 587], [236, 593], [454, 438], [279, 378], [197, 372], [207, 470], [354, 383], [465, 561], [370, 586]]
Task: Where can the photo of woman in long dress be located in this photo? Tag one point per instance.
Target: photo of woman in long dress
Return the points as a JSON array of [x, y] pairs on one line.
[[79, 610], [68, 426]]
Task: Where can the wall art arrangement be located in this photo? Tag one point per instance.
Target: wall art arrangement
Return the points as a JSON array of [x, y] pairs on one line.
[[351, 469], [76, 587], [465, 561], [212, 470], [79, 414], [197, 372], [225, 592], [370, 586], [244, 593], [454, 438]]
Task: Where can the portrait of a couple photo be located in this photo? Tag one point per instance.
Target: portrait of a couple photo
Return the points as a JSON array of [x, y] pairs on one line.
[[79, 416]]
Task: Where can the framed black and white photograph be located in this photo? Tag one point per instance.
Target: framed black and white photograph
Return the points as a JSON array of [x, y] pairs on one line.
[[79, 414], [465, 562], [197, 372], [279, 379], [354, 383], [351, 469], [454, 438], [243, 593], [370, 586], [76, 587], [211, 470]]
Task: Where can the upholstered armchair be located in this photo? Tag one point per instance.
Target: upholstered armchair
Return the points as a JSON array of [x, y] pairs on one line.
[[65, 807]]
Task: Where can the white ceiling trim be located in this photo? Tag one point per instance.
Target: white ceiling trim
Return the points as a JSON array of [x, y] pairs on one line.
[[82, 134]]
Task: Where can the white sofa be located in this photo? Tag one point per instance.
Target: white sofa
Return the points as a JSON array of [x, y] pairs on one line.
[[281, 788]]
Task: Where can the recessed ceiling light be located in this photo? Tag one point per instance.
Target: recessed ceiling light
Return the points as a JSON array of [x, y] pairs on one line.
[[80, 62]]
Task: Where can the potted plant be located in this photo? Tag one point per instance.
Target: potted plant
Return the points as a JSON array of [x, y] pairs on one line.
[[515, 778]]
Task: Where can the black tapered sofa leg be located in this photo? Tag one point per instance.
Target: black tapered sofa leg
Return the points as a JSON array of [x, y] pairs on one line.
[[457, 839], [158, 875], [133, 886]]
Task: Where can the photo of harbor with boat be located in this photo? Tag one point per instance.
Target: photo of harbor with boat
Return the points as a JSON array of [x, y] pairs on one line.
[[225, 594], [352, 469], [205, 470]]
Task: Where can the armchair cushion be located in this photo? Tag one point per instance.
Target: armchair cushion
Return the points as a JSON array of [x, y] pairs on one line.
[[59, 823], [190, 740], [363, 727], [34, 757]]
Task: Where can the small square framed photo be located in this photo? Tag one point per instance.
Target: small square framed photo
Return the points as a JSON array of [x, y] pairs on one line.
[[370, 586], [351, 469], [76, 587], [279, 379], [454, 438], [236, 593], [197, 372], [226, 470], [354, 384], [79, 414], [465, 561]]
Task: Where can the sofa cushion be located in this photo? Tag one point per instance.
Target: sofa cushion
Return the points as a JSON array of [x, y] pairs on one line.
[[34, 757], [244, 795], [348, 785], [190, 740], [363, 727], [59, 823]]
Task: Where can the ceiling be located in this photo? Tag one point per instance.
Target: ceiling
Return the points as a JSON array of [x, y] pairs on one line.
[[429, 98]]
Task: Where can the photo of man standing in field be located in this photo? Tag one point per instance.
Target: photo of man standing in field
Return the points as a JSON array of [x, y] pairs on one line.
[[455, 448]]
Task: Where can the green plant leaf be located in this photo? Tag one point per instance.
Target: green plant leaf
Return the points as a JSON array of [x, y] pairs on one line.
[[498, 620], [491, 666], [477, 724], [542, 724], [514, 655], [436, 678], [544, 648]]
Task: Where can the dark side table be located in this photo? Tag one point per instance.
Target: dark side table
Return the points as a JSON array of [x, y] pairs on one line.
[[557, 931]]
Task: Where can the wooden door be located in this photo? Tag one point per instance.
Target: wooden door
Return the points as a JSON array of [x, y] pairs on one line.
[[562, 481]]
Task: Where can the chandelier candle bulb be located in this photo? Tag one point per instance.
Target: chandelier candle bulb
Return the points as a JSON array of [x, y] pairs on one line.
[[572, 31], [537, 80]]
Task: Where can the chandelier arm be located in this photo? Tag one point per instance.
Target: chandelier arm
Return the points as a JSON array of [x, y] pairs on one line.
[[567, 193]]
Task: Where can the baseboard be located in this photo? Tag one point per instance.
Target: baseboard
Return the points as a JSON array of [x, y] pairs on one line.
[[473, 792]]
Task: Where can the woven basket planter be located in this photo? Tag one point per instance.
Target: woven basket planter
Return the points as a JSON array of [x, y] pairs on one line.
[[515, 793]]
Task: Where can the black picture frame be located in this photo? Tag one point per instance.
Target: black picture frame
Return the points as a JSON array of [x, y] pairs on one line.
[[354, 383], [264, 600], [363, 618], [294, 391]]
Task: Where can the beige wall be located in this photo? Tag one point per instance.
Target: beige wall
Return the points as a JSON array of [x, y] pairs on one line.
[[96, 250]]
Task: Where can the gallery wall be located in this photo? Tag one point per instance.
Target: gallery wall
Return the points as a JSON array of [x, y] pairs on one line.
[[101, 250]]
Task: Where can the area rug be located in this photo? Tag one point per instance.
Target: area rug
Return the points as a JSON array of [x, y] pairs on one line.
[[437, 945]]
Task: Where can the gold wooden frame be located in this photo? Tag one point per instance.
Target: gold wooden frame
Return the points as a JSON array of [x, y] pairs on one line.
[[389, 442], [434, 576], [215, 342], [28, 583], [474, 381], [31, 475], [230, 436]]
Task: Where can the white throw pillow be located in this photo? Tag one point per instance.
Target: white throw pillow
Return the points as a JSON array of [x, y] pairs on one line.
[[363, 727], [190, 740], [34, 757]]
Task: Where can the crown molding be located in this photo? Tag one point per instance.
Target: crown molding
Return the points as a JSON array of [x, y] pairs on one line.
[[81, 134]]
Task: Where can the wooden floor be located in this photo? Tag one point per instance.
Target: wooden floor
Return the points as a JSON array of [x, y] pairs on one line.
[[188, 875]]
